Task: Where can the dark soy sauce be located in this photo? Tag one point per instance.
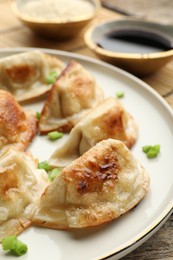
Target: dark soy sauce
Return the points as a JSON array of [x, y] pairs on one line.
[[134, 41]]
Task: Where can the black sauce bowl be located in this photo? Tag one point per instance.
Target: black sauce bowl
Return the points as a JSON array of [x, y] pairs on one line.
[[114, 42]]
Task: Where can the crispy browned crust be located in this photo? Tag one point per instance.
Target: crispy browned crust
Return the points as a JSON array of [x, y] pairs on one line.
[[17, 128], [77, 86], [28, 135], [65, 128], [102, 184], [24, 75], [107, 120], [116, 123], [91, 172]]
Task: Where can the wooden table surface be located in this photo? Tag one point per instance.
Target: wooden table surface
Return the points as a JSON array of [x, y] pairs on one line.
[[14, 34]]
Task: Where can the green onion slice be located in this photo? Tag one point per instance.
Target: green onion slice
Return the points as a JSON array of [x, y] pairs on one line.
[[146, 148], [151, 151], [44, 165], [14, 245], [55, 172], [55, 135], [51, 78], [120, 94], [38, 114]]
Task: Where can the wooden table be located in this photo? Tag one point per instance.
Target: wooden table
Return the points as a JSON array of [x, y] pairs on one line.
[[14, 34]]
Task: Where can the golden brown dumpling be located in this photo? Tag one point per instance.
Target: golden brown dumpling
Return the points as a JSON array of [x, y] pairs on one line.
[[73, 94], [17, 128], [25, 74], [104, 183], [21, 186], [107, 120]]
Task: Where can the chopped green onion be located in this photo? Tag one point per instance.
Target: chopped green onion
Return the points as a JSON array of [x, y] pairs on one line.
[[38, 114], [120, 94], [53, 73], [151, 151], [55, 172], [20, 248], [44, 165], [146, 148], [154, 151], [55, 135], [9, 242], [51, 78], [14, 245]]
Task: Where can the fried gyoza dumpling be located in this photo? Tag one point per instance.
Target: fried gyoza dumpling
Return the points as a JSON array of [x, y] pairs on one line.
[[25, 74], [17, 128], [107, 120], [21, 186], [73, 94], [104, 183]]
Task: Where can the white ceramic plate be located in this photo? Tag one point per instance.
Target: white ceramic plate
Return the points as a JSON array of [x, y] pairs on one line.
[[121, 236]]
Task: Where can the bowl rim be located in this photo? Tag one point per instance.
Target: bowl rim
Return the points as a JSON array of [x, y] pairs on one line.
[[41, 21], [107, 53]]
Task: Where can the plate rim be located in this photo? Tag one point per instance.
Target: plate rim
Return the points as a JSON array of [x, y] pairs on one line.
[[164, 215]]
